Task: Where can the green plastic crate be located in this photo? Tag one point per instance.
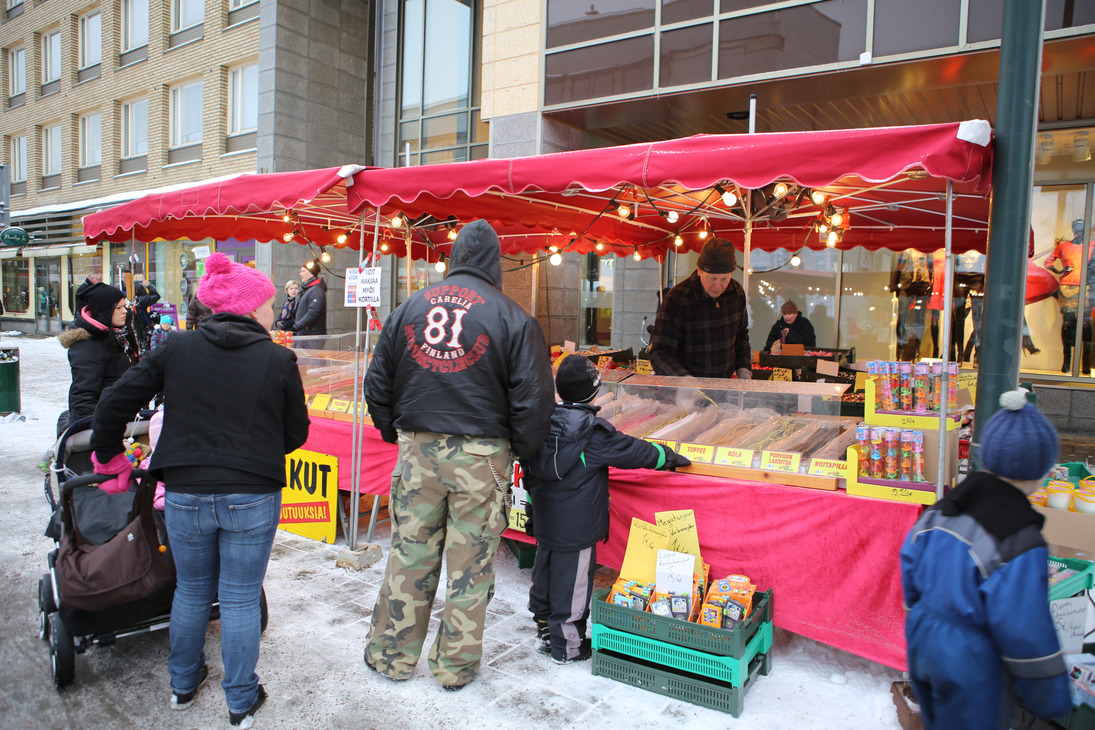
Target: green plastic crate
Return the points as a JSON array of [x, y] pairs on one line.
[[723, 642], [1081, 718], [679, 685], [722, 668], [1083, 580]]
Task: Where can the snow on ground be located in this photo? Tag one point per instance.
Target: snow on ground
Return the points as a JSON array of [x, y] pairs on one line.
[[311, 652]]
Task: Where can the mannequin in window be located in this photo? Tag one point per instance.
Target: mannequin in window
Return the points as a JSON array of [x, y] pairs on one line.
[[1066, 261], [969, 297], [911, 282]]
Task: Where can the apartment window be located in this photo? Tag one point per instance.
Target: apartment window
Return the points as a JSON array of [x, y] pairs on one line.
[[51, 150], [17, 71], [186, 114], [91, 140], [243, 99], [185, 13], [91, 39], [237, 4], [134, 24], [19, 159], [51, 56], [135, 128]]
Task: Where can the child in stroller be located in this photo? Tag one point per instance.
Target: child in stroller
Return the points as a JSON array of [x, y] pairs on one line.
[[71, 618]]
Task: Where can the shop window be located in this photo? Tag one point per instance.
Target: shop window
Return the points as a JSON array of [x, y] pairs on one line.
[[904, 27], [17, 71], [806, 277], [51, 56], [1060, 276], [134, 29], [610, 69], [868, 310], [186, 114], [577, 21], [243, 99], [15, 278], [675, 11], [79, 266], [412, 276], [91, 40], [686, 56], [597, 298]]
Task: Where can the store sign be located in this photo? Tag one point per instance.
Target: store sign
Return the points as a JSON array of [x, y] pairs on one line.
[[363, 286], [309, 506], [14, 237], [701, 453], [828, 468], [780, 461], [726, 456]]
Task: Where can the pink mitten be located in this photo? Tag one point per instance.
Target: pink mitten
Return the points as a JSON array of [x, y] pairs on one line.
[[118, 465]]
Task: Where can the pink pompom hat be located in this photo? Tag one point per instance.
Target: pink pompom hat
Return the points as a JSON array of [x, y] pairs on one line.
[[233, 288]]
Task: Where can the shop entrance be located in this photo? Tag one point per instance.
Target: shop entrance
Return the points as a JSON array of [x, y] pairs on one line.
[[47, 302]]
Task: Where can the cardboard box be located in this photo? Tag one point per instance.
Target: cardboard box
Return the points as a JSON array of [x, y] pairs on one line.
[[1069, 534]]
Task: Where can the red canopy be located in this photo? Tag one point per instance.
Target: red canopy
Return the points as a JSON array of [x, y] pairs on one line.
[[243, 207], [890, 180]]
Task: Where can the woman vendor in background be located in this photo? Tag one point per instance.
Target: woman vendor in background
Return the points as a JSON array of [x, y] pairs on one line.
[[790, 329]]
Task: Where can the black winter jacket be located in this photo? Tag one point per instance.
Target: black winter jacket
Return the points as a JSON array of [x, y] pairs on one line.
[[233, 399], [311, 317], [97, 359], [460, 357], [799, 332], [567, 479]]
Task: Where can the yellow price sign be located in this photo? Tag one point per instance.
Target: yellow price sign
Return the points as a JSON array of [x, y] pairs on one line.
[[643, 367], [781, 374], [726, 456], [780, 461], [697, 452]]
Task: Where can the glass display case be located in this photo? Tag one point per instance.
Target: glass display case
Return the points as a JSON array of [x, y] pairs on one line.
[[327, 367], [781, 431]]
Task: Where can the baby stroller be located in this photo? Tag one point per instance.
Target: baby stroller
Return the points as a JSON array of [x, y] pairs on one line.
[[110, 573]]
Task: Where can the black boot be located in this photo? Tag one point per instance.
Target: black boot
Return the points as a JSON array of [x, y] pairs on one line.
[[1028, 345]]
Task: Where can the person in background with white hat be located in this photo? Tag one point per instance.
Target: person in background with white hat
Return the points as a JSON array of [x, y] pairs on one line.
[[235, 408], [974, 569], [702, 327]]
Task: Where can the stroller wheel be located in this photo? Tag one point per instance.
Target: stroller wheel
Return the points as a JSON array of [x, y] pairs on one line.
[[45, 605], [62, 652], [264, 612]]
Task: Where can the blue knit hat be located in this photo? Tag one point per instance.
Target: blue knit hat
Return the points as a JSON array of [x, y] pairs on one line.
[[1018, 442], [166, 319]]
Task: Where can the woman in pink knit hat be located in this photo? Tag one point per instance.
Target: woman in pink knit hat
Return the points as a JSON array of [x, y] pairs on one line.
[[234, 407]]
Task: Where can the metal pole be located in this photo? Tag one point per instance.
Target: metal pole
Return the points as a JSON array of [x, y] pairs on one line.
[[948, 293], [355, 428], [1009, 229], [368, 336]]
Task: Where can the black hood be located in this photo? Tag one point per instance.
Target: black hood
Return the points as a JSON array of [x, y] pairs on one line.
[[571, 428], [231, 331], [477, 251]]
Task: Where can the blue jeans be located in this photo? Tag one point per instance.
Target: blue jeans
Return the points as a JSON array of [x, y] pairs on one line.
[[221, 545]]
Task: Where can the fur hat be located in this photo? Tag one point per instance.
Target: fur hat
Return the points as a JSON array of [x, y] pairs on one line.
[[233, 288], [717, 257], [100, 301], [578, 379], [1018, 442]]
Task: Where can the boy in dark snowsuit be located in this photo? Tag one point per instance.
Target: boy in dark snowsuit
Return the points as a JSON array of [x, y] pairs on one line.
[[979, 630], [568, 485]]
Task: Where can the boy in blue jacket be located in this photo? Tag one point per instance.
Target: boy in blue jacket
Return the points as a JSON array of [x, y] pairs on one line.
[[974, 569], [567, 482]]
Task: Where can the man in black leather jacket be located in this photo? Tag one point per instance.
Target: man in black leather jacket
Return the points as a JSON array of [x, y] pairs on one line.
[[461, 380]]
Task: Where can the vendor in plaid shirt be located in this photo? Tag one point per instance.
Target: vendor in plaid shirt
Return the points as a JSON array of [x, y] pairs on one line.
[[702, 328]]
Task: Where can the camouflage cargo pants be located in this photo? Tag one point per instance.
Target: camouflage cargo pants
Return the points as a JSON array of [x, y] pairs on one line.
[[444, 500]]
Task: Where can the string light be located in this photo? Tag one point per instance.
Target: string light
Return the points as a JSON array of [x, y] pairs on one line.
[[677, 240], [286, 218], [288, 237], [384, 247], [398, 221], [323, 255], [599, 246], [623, 210], [795, 260], [341, 238], [780, 190], [452, 234], [636, 255], [555, 259], [818, 197], [672, 216], [729, 197], [440, 267]]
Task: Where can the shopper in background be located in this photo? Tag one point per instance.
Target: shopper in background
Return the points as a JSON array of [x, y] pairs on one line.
[[702, 327], [163, 329], [567, 481], [98, 349], [460, 379], [235, 409], [288, 316], [80, 301], [144, 322], [195, 312], [974, 569], [311, 317], [790, 329]]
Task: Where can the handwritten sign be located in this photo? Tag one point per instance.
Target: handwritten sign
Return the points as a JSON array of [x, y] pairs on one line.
[[827, 468], [1070, 619], [642, 367], [726, 456], [673, 572], [201, 252], [363, 286], [308, 499], [781, 374], [681, 526], [697, 452], [780, 461], [643, 542]]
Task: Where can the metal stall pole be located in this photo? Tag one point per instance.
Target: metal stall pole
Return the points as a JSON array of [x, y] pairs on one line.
[[948, 294], [368, 337], [355, 429]]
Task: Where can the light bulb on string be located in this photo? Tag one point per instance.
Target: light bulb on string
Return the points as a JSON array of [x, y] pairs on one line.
[[384, 247], [439, 267], [555, 259], [623, 210], [780, 189], [286, 218], [818, 197], [703, 234], [795, 260], [831, 240], [341, 238], [398, 221], [636, 255], [678, 240], [599, 246], [324, 256], [672, 216], [452, 234], [288, 237], [729, 198], [836, 219]]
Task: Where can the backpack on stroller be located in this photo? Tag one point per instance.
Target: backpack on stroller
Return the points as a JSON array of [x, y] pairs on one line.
[[110, 574]]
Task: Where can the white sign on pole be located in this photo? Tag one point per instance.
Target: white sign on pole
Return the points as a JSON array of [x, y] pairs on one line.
[[363, 287]]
